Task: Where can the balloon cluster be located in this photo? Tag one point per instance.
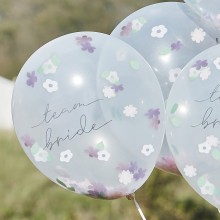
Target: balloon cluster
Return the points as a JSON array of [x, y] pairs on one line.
[[89, 108]]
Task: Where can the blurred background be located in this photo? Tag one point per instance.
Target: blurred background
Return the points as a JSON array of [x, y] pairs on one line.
[[24, 192]]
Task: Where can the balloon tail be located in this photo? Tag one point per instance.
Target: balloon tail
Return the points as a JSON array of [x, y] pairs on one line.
[[132, 197], [217, 41]]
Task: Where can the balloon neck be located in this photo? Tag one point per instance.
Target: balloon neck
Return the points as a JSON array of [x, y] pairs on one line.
[[132, 197], [217, 41]]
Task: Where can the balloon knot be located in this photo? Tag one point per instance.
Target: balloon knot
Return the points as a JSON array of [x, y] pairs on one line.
[[131, 196]]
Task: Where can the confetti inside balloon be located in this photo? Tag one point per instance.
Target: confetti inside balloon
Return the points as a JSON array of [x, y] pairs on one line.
[[168, 38], [79, 110]]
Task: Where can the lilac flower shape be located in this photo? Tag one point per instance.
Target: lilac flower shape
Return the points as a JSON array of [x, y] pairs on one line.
[[87, 46], [92, 152], [97, 190], [140, 174], [85, 43], [152, 113], [176, 46], [200, 63], [83, 40], [32, 79], [133, 167], [126, 30], [118, 88], [28, 141]]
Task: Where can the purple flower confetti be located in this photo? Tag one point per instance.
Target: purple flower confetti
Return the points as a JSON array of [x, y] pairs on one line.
[[153, 113], [85, 43], [118, 88], [133, 167], [140, 174], [28, 141], [87, 46], [92, 152], [176, 46], [126, 30], [83, 39], [200, 63], [32, 79]]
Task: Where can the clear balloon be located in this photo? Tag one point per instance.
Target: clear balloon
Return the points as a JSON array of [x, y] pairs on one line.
[[167, 38], [208, 10], [82, 113], [193, 124]]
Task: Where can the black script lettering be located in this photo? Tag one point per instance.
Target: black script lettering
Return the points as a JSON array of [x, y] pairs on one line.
[[50, 115], [206, 121], [214, 95], [83, 129]]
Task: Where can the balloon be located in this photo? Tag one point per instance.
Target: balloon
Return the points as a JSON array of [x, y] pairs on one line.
[[88, 112], [208, 10], [167, 38], [193, 124]]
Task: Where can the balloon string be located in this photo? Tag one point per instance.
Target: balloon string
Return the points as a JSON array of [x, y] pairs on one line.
[[132, 197]]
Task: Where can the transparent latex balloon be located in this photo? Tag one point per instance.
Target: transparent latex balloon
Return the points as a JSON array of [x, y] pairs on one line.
[[168, 38], [88, 112], [193, 124]]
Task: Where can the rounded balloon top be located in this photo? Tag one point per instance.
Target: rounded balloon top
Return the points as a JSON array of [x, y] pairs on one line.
[[167, 40], [193, 123], [88, 112]]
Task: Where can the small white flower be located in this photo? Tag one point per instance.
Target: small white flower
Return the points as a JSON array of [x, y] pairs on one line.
[[217, 63], [113, 77], [159, 31], [50, 85], [212, 141], [125, 177], [49, 67], [130, 111], [205, 73], [136, 25], [208, 188], [41, 155], [66, 156], [198, 35], [190, 171], [173, 74], [204, 148], [104, 155], [147, 149], [193, 73], [108, 92]]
